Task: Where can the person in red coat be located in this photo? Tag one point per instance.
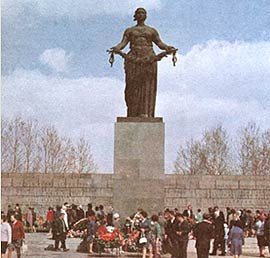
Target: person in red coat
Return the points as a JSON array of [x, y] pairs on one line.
[[18, 236], [49, 220]]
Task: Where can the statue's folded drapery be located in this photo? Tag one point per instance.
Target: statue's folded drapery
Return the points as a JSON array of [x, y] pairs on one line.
[[141, 82]]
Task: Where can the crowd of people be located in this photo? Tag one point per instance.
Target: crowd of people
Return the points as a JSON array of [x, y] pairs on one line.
[[166, 232], [12, 232]]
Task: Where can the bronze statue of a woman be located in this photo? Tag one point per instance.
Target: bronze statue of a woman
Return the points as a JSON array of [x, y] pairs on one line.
[[141, 66]]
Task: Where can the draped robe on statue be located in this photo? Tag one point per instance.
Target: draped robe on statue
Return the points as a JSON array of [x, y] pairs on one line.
[[141, 70]]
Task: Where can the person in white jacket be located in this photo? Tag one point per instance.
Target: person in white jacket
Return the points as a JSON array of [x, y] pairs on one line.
[[64, 210], [5, 235]]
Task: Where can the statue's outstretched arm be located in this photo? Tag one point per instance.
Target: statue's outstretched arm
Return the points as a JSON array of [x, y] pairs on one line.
[[123, 42], [161, 44]]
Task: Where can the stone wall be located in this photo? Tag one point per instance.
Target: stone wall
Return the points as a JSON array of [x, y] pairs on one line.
[[252, 192], [41, 191]]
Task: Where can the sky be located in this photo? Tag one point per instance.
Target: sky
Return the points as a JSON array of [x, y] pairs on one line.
[[55, 67]]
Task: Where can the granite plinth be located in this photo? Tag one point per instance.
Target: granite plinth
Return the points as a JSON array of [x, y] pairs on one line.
[[139, 148], [138, 164]]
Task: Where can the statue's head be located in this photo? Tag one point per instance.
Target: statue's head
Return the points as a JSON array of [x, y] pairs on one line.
[[140, 14]]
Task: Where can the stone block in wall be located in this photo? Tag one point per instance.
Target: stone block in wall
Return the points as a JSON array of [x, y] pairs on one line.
[[30, 182], [17, 182], [168, 202], [71, 182], [45, 181], [250, 194], [187, 182], [263, 204], [8, 191], [202, 193], [104, 192], [222, 194], [76, 192], [85, 182], [207, 182], [227, 184], [89, 191], [59, 182], [6, 182], [267, 194], [170, 181], [263, 184], [247, 184]]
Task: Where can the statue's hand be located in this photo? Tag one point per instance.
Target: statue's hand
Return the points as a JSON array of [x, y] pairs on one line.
[[170, 49], [115, 50]]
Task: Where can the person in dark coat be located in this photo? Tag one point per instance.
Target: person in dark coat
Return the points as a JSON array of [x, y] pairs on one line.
[[203, 232], [89, 209], [219, 232], [18, 212], [80, 213], [188, 213], [60, 232], [267, 231], [183, 229], [170, 233]]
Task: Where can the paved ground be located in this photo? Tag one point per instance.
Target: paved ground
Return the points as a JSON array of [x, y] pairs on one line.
[[38, 241]]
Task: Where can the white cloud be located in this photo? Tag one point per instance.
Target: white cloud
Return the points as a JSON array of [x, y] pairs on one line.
[[77, 9], [56, 58], [87, 106], [218, 82]]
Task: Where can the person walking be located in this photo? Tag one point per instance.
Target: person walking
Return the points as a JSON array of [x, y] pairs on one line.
[[156, 239], [91, 230], [170, 233], [18, 212], [182, 231], [5, 235], [199, 216], [60, 232], [65, 218], [236, 239], [259, 227], [80, 213], [267, 232], [145, 229], [18, 235], [34, 220], [203, 233], [29, 220], [49, 220], [219, 240]]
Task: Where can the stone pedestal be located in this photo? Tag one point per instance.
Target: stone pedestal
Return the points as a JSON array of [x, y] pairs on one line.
[[138, 165]]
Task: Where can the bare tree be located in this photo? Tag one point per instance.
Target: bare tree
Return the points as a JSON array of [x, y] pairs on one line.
[[5, 147], [12, 145], [28, 139], [265, 153], [217, 152], [84, 158], [28, 148], [254, 150], [208, 156], [249, 150], [189, 159]]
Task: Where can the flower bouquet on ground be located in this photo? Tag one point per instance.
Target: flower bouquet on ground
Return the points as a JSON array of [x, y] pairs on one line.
[[131, 241], [109, 238], [78, 228]]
